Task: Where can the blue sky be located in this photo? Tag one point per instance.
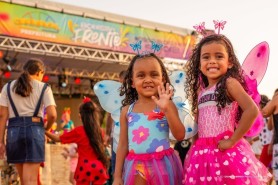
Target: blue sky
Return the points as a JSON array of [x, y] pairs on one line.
[[249, 22]]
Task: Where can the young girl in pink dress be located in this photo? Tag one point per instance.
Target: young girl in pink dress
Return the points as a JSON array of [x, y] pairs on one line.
[[224, 113]]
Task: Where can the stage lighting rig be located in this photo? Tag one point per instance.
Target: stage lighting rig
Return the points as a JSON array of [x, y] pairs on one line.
[[9, 61]]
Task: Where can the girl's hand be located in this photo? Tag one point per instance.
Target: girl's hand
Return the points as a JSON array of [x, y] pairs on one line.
[[118, 181], [225, 144], [164, 97]]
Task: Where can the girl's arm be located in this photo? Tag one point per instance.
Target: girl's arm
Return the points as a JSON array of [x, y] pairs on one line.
[[270, 123], [270, 107], [170, 110], [4, 115], [175, 124], [249, 108], [122, 148], [54, 137], [270, 146], [51, 116]]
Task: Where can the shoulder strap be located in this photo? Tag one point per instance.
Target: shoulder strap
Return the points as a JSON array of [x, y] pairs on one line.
[[157, 109], [40, 100], [11, 100], [130, 107]]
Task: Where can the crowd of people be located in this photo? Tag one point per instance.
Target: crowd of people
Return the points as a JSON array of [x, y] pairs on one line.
[[141, 152]]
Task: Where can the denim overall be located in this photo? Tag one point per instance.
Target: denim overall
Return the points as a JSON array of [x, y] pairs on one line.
[[25, 135]]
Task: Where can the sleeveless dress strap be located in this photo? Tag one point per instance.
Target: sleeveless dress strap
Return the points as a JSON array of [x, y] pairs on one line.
[[40, 101], [11, 100], [157, 109], [130, 107]]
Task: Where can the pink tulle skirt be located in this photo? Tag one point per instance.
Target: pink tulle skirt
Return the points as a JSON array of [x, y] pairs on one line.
[[163, 168], [206, 164]]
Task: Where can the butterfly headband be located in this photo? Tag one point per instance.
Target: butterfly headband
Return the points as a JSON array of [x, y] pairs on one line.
[[218, 25], [137, 47]]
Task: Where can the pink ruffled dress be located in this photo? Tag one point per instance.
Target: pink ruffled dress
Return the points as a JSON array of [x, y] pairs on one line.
[[206, 165]]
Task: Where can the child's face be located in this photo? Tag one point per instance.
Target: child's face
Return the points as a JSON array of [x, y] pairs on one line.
[[147, 76], [214, 61], [66, 117]]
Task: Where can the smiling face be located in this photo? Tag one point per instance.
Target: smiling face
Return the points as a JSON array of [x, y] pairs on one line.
[[147, 76], [214, 61]]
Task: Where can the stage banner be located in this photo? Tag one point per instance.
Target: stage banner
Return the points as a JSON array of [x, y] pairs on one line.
[[39, 24]]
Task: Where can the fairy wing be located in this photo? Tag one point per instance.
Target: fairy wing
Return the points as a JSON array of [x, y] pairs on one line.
[[254, 67], [177, 79], [109, 97], [255, 64], [186, 118]]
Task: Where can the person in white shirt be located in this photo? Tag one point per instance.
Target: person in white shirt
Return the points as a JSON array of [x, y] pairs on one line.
[[21, 104]]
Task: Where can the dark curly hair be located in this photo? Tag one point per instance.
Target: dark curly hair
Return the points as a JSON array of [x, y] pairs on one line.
[[264, 100], [126, 89], [197, 80], [89, 113]]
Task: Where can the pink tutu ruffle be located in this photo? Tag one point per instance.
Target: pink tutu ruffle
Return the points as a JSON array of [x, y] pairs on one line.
[[206, 164], [163, 168]]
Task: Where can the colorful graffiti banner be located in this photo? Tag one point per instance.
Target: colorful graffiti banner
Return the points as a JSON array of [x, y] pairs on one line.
[[38, 24]]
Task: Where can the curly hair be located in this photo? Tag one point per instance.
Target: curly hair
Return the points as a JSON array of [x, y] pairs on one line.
[[196, 80], [126, 89]]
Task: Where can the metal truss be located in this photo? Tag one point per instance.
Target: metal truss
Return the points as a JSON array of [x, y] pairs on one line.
[[61, 50], [69, 72], [75, 52]]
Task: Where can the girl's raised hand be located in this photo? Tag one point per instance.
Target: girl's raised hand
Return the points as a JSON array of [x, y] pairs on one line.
[[164, 97]]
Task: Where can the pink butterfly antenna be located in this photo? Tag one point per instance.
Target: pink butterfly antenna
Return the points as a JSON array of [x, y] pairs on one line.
[[219, 25], [200, 28]]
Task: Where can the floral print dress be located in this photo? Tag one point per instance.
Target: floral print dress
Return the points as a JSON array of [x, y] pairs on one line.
[[150, 154]]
